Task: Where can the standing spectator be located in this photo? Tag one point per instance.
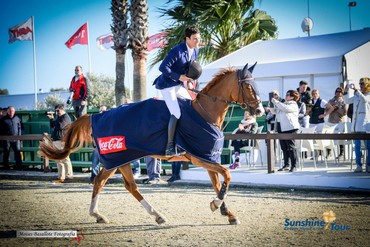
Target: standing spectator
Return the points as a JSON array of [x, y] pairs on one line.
[[79, 89], [11, 125], [337, 116], [175, 68], [153, 167], [305, 97], [248, 125], [319, 110], [269, 116], [287, 122], [176, 167], [302, 114], [361, 117], [60, 126]]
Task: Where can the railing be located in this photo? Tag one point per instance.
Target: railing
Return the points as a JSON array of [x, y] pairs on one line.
[[269, 137]]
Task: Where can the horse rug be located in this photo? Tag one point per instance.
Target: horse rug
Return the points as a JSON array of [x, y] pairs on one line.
[[133, 131]]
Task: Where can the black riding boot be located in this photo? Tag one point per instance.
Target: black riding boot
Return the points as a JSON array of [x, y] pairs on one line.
[[170, 149]]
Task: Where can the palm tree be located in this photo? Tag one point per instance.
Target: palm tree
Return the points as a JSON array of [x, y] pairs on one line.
[[225, 25], [138, 38], [120, 37]]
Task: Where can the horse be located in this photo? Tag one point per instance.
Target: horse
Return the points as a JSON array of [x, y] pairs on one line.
[[229, 86]]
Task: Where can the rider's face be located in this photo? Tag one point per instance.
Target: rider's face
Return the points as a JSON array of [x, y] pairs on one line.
[[193, 41]]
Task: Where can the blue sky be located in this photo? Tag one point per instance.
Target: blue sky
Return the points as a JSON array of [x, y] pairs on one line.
[[56, 21]]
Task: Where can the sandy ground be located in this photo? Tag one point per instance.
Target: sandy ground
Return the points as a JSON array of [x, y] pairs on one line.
[[30, 205]]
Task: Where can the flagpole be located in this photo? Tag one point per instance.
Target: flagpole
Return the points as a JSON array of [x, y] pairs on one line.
[[88, 46], [34, 60]]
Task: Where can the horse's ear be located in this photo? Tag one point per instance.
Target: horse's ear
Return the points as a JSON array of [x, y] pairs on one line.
[[244, 71], [252, 68]]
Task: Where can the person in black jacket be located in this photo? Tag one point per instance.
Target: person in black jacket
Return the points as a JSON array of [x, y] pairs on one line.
[[60, 126], [11, 125]]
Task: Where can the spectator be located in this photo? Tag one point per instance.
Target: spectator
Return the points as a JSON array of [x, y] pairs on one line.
[[318, 111], [153, 167], [174, 70], [247, 125], [287, 122], [269, 116], [11, 125], [60, 126], [136, 170], [361, 117], [95, 159], [176, 167], [305, 97], [303, 121], [79, 89], [337, 116]]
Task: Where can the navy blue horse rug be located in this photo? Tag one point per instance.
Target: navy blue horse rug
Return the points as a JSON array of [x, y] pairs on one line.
[[133, 131]]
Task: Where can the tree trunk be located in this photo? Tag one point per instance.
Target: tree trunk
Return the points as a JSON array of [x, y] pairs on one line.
[[138, 33], [140, 78], [120, 90]]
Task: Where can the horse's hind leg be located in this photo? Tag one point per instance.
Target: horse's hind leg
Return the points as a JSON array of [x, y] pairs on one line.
[[215, 179], [131, 186], [99, 183]]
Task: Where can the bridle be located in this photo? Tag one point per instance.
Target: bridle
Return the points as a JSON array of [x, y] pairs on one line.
[[245, 105]]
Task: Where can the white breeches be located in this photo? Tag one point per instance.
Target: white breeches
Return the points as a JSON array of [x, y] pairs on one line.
[[170, 97]]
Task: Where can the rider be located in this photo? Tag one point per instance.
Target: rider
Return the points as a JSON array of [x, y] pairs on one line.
[[174, 70]]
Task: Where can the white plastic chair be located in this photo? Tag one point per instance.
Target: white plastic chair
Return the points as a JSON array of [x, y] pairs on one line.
[[322, 145], [251, 149], [303, 146]]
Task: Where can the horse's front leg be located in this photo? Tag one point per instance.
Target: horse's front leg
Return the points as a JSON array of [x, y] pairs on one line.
[[99, 183], [131, 186], [219, 201]]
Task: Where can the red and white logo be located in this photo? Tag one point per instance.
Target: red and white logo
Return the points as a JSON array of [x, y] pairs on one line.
[[112, 144]]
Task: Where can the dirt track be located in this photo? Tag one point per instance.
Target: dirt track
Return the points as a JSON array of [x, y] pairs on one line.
[[27, 205]]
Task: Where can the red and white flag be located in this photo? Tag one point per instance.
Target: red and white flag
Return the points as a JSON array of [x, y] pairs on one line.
[[157, 41], [105, 41], [79, 37], [21, 32]]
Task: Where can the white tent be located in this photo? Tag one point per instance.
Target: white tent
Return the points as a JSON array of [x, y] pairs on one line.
[[323, 61]]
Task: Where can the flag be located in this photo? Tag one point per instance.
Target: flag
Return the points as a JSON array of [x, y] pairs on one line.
[[21, 32], [157, 41], [105, 41], [352, 4], [79, 37]]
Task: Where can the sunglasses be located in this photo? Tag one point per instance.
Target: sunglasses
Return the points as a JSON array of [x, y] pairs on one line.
[[338, 91]]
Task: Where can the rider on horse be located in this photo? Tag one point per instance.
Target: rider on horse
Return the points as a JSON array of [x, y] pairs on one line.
[[177, 68]]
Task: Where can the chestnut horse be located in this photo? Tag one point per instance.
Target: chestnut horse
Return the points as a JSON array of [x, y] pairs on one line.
[[228, 87]]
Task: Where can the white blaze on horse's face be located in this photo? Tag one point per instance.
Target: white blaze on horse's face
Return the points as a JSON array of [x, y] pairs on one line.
[[260, 109]]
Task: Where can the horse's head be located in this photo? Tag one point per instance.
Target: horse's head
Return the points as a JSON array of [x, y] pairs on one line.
[[247, 93]]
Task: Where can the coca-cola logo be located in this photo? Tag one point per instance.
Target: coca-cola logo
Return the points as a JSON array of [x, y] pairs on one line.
[[112, 144]]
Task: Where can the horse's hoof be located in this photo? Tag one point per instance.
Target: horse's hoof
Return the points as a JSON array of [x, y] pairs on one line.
[[213, 206], [160, 220], [234, 221], [101, 219]]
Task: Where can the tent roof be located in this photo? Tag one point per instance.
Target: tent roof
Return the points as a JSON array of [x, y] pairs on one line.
[[295, 56]]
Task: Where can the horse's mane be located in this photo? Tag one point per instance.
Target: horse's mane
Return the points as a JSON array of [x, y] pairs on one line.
[[216, 78]]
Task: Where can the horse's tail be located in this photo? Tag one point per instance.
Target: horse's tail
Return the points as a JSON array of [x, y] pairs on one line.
[[78, 134]]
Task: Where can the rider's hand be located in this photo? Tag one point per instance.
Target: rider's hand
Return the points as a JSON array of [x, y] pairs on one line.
[[184, 78]]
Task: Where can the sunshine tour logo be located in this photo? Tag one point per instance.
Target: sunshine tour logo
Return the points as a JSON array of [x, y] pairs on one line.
[[327, 223]]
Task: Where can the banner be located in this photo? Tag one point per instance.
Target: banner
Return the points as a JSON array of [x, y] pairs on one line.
[[157, 41], [79, 37], [105, 41], [21, 32]]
